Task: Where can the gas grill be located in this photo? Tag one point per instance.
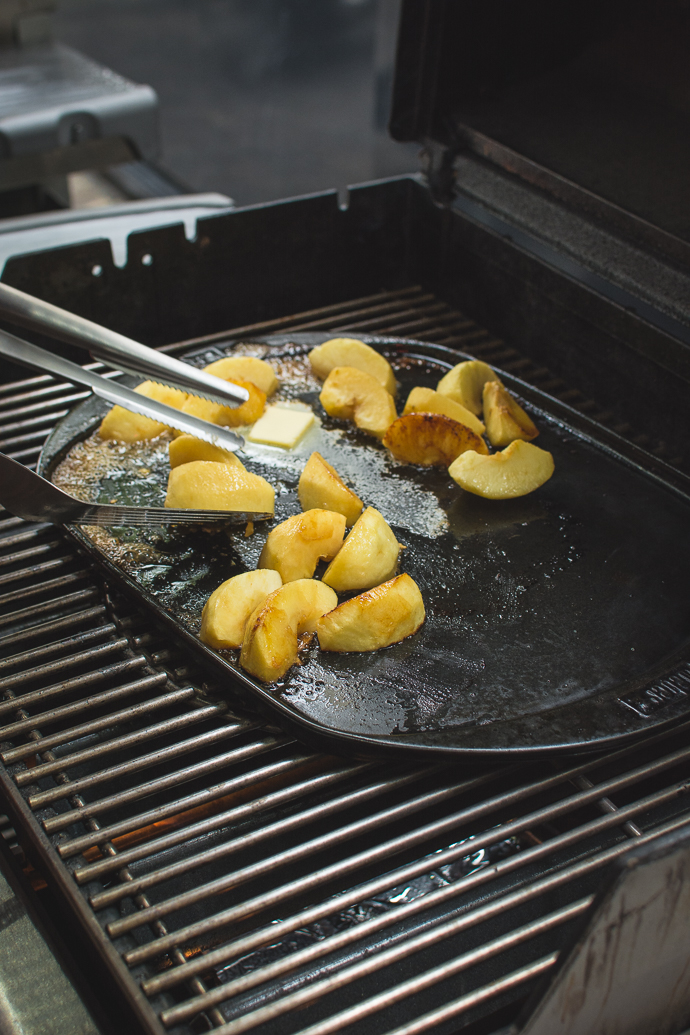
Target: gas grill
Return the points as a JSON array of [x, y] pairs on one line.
[[204, 871]]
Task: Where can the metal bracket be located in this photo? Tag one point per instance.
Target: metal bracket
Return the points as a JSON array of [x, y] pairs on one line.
[[627, 970]]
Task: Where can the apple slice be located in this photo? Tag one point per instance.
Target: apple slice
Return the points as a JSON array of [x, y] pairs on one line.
[[206, 485], [426, 400], [321, 486], [271, 638], [351, 352], [185, 448], [123, 426], [382, 616], [367, 557], [294, 547], [226, 611], [430, 439], [465, 383], [228, 416], [505, 418], [245, 368], [515, 471], [352, 394]]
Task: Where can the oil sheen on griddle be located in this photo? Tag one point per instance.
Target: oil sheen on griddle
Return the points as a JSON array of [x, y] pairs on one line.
[[519, 594]]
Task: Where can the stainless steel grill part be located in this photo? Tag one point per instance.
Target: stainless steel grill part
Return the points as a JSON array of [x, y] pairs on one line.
[[231, 880], [113, 348], [26, 354], [27, 495]]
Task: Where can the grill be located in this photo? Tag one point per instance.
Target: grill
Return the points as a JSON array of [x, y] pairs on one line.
[[226, 878]]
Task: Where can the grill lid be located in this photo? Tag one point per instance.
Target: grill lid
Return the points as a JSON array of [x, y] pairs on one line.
[[588, 101]]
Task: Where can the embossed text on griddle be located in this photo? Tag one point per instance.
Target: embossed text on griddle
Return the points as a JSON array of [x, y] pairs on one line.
[[650, 699]]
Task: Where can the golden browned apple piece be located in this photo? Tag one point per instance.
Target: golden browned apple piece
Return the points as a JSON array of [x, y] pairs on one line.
[[430, 439], [245, 368], [207, 485], [228, 416], [465, 383], [384, 615], [295, 547], [505, 418], [515, 471], [321, 486], [367, 557], [226, 611], [123, 426], [271, 637], [351, 352], [426, 400], [185, 448], [352, 394]]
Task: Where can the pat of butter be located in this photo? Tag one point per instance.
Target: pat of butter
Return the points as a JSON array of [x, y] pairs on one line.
[[281, 427]]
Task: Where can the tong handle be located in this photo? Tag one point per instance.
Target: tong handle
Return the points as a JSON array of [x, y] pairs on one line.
[[39, 359], [114, 349]]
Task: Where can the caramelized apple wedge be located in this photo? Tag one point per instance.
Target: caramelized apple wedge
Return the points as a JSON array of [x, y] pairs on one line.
[[426, 400], [225, 613], [505, 418], [430, 439], [515, 471], [122, 425], [294, 547], [465, 383], [352, 394], [367, 557], [321, 486], [271, 638], [245, 368], [185, 448], [206, 485], [228, 416], [382, 616], [351, 352]]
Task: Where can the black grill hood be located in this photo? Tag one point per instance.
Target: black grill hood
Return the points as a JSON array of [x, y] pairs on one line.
[[588, 100]]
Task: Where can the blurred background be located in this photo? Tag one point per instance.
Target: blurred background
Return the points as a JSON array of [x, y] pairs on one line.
[[258, 99]]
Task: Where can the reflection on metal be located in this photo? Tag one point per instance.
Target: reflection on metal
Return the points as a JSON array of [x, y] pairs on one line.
[[628, 972]]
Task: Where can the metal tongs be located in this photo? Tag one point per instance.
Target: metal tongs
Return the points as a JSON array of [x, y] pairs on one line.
[[124, 354]]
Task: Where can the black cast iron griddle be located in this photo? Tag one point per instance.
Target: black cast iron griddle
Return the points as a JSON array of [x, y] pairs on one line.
[[557, 621]]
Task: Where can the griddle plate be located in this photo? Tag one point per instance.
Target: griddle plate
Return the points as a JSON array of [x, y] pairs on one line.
[[557, 621]]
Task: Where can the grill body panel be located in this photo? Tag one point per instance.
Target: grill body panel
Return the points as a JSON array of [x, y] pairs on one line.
[[225, 877]]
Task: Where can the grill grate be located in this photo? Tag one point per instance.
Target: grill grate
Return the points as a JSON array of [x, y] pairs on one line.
[[232, 880]]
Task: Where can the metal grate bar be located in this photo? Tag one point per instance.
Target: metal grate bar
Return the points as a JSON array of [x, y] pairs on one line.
[[442, 898], [312, 823], [67, 761], [459, 1006], [396, 877], [24, 536], [191, 804], [38, 410], [394, 955], [79, 597], [297, 321], [51, 668], [94, 726], [365, 825], [192, 772], [119, 668], [69, 643], [223, 819], [89, 616], [196, 743]]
